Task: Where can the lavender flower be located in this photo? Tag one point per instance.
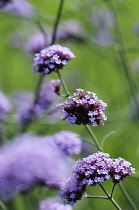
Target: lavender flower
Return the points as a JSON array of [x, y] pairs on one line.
[[85, 108], [93, 170], [103, 21], [120, 169], [68, 142], [5, 106], [19, 7], [52, 58], [46, 103], [71, 30], [27, 161], [53, 204], [36, 42], [22, 101]]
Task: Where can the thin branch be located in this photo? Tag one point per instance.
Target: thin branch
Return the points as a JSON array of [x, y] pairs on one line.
[[110, 198], [93, 138], [101, 197], [112, 191], [63, 84]]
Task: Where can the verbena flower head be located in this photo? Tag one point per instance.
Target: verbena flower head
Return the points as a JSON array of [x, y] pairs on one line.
[[52, 58], [53, 204], [5, 106], [68, 142], [28, 161], [84, 108], [93, 170]]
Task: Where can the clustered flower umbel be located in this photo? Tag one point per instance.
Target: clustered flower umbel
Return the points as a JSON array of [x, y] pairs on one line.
[[52, 58], [85, 108], [93, 170]]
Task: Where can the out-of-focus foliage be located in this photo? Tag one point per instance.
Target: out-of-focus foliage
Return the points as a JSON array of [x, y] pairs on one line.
[[97, 68]]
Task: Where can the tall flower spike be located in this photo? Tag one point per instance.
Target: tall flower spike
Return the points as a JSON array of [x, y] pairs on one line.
[[93, 170], [52, 58], [85, 108]]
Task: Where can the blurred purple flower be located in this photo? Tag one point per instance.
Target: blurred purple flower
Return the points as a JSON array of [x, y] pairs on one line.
[[52, 58], [53, 204], [136, 64], [92, 170], [5, 106], [3, 3], [22, 101], [71, 30], [19, 7], [136, 28], [68, 142], [103, 21], [85, 108], [46, 104], [36, 42], [29, 160]]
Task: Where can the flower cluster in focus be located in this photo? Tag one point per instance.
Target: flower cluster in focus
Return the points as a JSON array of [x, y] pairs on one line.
[[52, 58], [93, 170], [85, 108]]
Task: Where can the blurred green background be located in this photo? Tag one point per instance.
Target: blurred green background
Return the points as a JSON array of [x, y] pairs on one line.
[[97, 68]]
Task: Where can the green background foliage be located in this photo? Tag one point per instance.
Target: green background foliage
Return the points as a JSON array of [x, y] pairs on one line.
[[96, 68]]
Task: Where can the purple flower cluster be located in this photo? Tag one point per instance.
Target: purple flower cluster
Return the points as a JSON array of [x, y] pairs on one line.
[[92, 170], [68, 142], [85, 108], [53, 204], [19, 7], [28, 161], [52, 58], [5, 106]]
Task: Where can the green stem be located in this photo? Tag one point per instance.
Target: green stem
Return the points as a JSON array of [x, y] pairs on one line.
[[63, 84], [57, 21], [110, 198], [112, 191], [101, 197], [127, 196], [2, 206], [94, 138]]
